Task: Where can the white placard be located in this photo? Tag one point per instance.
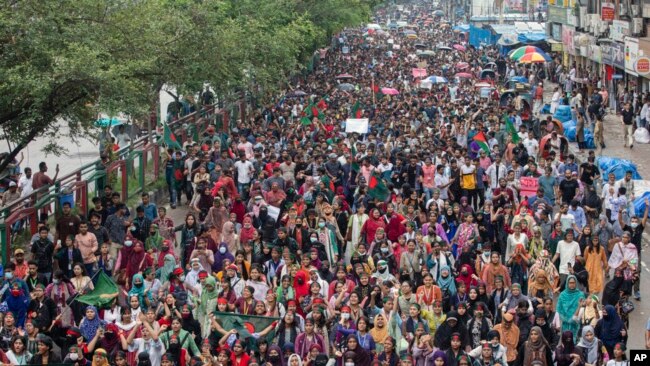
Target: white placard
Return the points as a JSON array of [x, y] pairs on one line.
[[358, 125], [274, 212]]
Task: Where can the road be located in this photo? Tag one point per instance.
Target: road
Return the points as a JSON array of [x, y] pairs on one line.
[[639, 155]]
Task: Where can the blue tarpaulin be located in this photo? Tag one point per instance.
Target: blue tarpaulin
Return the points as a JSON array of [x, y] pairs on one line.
[[479, 37], [531, 37], [617, 166], [462, 28], [639, 204]]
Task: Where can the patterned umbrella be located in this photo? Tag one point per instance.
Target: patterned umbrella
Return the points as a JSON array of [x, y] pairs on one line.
[[517, 53], [535, 57], [459, 47], [437, 79]]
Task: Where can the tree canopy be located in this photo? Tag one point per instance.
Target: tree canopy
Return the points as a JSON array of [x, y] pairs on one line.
[[64, 61]]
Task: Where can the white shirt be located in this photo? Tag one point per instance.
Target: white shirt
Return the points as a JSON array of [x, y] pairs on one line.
[[155, 349], [25, 185], [440, 180], [567, 220], [568, 253], [243, 171], [532, 146], [123, 140]]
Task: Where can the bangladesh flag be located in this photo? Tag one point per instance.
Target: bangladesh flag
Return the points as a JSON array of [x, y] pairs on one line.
[[510, 128], [377, 188], [245, 325], [104, 292], [357, 110], [169, 138], [322, 105], [480, 139], [305, 121], [312, 111]]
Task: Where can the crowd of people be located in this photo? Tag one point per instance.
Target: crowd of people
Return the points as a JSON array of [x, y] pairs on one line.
[[413, 244]]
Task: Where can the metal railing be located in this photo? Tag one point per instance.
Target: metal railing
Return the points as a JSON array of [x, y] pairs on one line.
[[131, 166]]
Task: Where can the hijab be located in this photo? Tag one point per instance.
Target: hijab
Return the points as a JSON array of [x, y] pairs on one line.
[[535, 350], [611, 326], [217, 266], [246, 234], [167, 268], [89, 327], [138, 291], [567, 342], [447, 283], [135, 259], [569, 300], [379, 335], [228, 236], [591, 348], [208, 295]]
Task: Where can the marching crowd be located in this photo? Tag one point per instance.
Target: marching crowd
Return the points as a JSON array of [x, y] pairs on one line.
[[412, 244]]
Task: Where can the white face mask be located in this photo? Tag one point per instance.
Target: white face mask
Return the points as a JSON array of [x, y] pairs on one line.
[[222, 250], [128, 243], [345, 316], [349, 364], [74, 356]]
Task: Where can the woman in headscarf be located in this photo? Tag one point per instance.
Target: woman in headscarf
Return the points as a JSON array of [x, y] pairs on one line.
[[610, 329], [207, 305], [466, 276], [536, 243], [568, 304], [540, 288], [379, 332], [535, 349], [543, 262], [216, 217], [166, 269], [61, 290], [145, 298], [125, 252], [137, 261], [247, 231], [90, 323], [155, 240], [229, 236], [305, 340], [374, 222], [354, 352], [446, 282], [220, 255], [165, 249], [100, 358], [591, 347], [355, 225], [518, 264], [567, 354]]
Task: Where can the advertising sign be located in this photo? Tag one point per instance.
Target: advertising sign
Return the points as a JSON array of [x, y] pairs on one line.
[[631, 54], [608, 11], [642, 65]]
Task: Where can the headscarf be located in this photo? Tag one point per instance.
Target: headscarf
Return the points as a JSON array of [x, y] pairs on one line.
[[447, 283], [535, 350], [228, 236], [217, 266], [154, 241], [379, 335], [138, 291], [439, 354], [534, 286], [89, 327], [208, 295], [301, 290], [467, 279], [246, 235], [111, 338], [296, 357], [590, 347], [611, 327], [104, 361], [569, 300], [167, 268], [567, 342], [135, 259]]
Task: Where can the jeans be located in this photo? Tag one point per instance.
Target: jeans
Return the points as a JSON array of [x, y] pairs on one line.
[[242, 188], [90, 269], [428, 192]]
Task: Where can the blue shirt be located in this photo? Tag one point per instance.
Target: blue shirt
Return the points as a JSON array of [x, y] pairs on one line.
[[579, 216], [150, 211]]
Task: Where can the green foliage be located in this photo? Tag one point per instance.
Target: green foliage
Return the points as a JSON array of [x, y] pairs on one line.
[[64, 61]]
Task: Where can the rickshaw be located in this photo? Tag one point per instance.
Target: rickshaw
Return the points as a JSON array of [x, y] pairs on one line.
[[545, 149], [487, 74], [510, 95]]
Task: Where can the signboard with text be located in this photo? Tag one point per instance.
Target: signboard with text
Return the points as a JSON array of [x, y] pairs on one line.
[[608, 12], [528, 186], [631, 54]]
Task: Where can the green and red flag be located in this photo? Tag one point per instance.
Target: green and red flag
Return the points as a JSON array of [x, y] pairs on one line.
[[103, 293], [322, 105], [305, 121], [510, 128], [169, 138], [246, 325], [357, 110], [312, 111], [480, 139], [377, 189]]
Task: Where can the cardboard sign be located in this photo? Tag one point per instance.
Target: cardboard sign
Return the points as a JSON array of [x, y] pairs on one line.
[[274, 212], [358, 125], [528, 187], [419, 73]]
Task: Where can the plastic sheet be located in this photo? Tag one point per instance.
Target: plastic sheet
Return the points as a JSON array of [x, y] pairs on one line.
[[642, 136], [617, 166], [639, 204], [563, 113]]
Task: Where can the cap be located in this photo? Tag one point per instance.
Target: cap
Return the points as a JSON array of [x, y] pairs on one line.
[[12, 184], [233, 267], [19, 251], [178, 271]]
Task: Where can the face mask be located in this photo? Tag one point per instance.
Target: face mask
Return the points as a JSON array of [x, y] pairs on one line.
[[274, 358], [74, 356], [164, 249], [384, 250], [321, 225], [382, 270], [301, 281], [349, 364], [133, 228], [345, 316], [634, 225], [247, 226], [128, 243], [313, 240], [182, 278], [222, 250], [9, 275], [15, 292], [185, 315], [55, 281], [138, 285]]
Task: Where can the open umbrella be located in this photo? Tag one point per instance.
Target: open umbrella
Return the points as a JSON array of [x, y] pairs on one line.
[[482, 85], [464, 75], [389, 91], [535, 57], [437, 79], [459, 47], [345, 76], [439, 13], [412, 36], [373, 26], [296, 94], [518, 52], [444, 48], [462, 65], [409, 31], [420, 46], [425, 53], [345, 87]]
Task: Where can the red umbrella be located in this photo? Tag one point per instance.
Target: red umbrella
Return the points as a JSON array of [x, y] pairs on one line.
[[459, 47], [464, 75], [462, 65]]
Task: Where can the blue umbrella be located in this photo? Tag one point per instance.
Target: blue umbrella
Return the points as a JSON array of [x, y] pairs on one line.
[[107, 122], [436, 79]]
